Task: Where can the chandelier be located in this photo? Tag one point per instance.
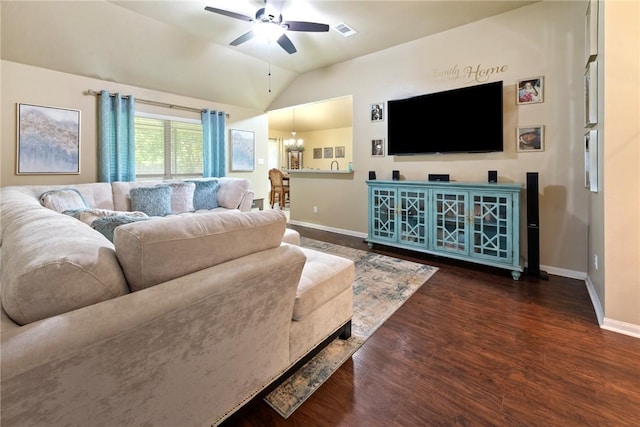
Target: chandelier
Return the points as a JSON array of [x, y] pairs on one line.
[[293, 144]]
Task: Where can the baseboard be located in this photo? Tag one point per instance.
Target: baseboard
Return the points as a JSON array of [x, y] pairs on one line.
[[621, 327], [595, 301], [571, 274], [606, 323], [330, 229]]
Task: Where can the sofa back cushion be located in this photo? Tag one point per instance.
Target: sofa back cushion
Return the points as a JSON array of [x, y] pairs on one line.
[[152, 252], [52, 263]]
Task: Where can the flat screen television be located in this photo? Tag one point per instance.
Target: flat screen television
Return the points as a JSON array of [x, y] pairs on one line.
[[465, 120]]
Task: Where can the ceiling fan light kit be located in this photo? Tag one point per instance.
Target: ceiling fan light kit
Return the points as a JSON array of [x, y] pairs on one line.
[[268, 31]]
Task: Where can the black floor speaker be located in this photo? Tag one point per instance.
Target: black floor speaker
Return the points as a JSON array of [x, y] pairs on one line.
[[533, 228]]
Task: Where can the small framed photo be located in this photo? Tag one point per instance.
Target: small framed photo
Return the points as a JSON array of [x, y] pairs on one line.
[[328, 152], [242, 150], [377, 112], [530, 138], [530, 91], [377, 147], [48, 140], [339, 152], [317, 153]]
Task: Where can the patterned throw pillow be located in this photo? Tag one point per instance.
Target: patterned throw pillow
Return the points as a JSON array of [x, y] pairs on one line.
[[62, 200], [206, 194], [154, 201], [106, 225], [182, 196]]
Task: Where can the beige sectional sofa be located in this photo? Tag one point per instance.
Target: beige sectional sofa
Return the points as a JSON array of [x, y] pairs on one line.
[[179, 321]]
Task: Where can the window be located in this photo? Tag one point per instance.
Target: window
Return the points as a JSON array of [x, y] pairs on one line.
[[167, 147]]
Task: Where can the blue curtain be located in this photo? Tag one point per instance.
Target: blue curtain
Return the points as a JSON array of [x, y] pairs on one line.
[[213, 146], [116, 138]]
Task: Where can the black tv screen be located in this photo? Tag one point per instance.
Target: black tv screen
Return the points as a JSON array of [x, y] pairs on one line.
[[465, 120]]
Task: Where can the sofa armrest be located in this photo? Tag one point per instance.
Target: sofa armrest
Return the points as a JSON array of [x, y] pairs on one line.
[[247, 201], [203, 343]]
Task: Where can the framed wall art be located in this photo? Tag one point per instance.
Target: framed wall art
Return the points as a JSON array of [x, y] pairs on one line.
[[377, 112], [591, 160], [377, 147], [530, 138], [242, 150], [317, 153], [328, 152], [530, 91], [591, 94], [339, 152], [48, 140], [591, 31]]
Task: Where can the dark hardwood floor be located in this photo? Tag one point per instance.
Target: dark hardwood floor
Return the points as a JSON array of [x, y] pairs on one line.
[[472, 347]]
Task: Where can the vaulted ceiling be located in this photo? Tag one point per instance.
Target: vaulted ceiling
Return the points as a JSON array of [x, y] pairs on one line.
[[178, 47]]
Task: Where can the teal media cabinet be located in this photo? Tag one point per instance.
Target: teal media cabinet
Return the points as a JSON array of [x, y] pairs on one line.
[[476, 222]]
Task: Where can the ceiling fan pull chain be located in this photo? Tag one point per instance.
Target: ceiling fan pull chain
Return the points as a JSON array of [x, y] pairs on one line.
[[269, 56]]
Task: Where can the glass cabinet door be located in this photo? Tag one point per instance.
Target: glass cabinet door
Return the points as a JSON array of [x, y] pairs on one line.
[[450, 221], [383, 215], [491, 226], [412, 221]]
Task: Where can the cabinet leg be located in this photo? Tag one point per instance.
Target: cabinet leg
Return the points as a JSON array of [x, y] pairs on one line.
[[515, 274]]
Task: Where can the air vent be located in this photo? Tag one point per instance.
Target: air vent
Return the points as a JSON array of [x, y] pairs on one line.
[[344, 30]]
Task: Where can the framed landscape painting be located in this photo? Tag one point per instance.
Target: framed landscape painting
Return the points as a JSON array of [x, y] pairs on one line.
[[242, 151], [48, 140]]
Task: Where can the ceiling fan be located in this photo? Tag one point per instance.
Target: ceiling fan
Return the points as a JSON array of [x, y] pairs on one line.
[[268, 24]]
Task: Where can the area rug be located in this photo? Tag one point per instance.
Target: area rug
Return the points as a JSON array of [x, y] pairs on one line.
[[381, 286]]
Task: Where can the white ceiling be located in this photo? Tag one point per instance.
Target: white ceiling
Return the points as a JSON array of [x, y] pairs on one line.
[[379, 24], [178, 47]]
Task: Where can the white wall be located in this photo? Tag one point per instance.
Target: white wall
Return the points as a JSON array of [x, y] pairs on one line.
[[620, 147], [39, 86], [543, 39]]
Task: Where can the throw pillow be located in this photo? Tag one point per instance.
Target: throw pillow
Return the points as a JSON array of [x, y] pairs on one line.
[[63, 200], [108, 224], [206, 194], [182, 196], [154, 201]]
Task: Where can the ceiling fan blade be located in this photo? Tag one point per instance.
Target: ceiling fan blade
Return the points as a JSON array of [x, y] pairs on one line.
[[286, 44], [243, 38], [306, 26], [229, 13]]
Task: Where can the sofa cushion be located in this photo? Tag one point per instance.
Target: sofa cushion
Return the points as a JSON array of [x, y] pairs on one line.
[[182, 196], [205, 195], [324, 277], [44, 274], [152, 252], [154, 201], [63, 199]]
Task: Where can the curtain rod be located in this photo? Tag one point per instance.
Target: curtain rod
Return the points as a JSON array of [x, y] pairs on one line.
[[159, 104]]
